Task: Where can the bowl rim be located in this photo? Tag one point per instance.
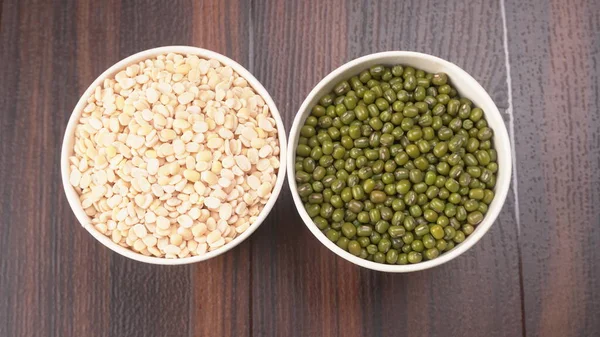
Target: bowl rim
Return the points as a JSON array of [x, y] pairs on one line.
[[501, 141], [69, 137]]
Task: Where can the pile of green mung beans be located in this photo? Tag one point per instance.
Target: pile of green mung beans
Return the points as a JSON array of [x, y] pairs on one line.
[[394, 166]]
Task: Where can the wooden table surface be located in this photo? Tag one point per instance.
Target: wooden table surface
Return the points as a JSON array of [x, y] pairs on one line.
[[535, 273]]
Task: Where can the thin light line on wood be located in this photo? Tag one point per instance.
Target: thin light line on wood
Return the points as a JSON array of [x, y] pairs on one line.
[[511, 119], [511, 131]]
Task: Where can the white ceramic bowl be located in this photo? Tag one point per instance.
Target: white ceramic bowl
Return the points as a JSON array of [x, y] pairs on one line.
[[468, 87], [69, 139]]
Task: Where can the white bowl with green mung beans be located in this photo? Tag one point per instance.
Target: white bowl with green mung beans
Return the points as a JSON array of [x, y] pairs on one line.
[[399, 161]]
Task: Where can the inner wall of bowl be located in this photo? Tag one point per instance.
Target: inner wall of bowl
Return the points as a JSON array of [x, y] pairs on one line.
[[467, 87], [69, 140]]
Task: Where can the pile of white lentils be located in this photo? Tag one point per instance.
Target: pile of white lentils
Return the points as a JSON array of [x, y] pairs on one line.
[[174, 156]]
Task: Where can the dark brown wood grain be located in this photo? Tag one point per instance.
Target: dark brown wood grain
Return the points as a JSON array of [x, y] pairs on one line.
[[56, 280], [44, 290], [536, 273], [160, 296], [309, 289], [554, 54], [293, 275], [221, 287]]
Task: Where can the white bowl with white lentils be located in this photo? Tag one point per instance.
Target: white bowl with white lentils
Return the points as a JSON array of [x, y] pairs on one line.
[[173, 155]]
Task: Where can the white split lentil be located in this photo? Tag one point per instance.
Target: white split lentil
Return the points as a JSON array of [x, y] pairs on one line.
[[174, 156]]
